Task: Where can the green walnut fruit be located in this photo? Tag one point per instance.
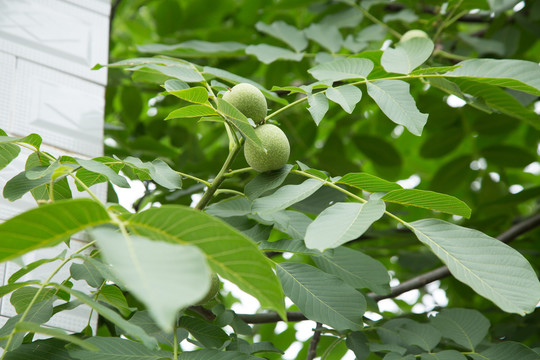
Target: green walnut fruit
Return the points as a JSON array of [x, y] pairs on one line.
[[249, 100], [214, 288], [277, 148], [413, 34]]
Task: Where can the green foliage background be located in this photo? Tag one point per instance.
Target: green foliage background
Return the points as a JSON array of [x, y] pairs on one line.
[[479, 153]]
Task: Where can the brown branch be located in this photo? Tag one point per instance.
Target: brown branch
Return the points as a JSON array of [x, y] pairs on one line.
[[312, 351], [414, 283]]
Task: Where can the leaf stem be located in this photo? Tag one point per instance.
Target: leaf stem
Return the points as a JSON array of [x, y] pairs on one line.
[[377, 21], [237, 171], [194, 178], [175, 346], [220, 177]]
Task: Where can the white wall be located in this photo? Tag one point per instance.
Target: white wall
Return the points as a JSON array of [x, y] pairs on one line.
[[47, 48]]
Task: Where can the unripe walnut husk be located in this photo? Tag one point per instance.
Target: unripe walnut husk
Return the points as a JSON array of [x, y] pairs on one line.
[[277, 148], [214, 288], [413, 34], [249, 100]]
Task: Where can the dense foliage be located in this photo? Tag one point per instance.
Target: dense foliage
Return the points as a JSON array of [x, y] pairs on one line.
[[410, 161]]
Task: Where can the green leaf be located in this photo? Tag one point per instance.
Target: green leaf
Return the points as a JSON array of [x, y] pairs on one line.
[[434, 70], [293, 223], [31, 266], [508, 156], [358, 343], [20, 184], [158, 170], [287, 245], [229, 253], [117, 348], [90, 178], [442, 143], [465, 327], [112, 295], [199, 47], [215, 355], [351, 68], [191, 111], [396, 102], [347, 96], [25, 326], [239, 121], [196, 95], [318, 106], [48, 225], [175, 85], [287, 33], [6, 289], [8, 152], [111, 315], [444, 355], [165, 277], [285, 196], [21, 298], [208, 334], [341, 223], [88, 272], [50, 349], [39, 313], [355, 268], [407, 55], [507, 350], [514, 74], [33, 140], [102, 169], [406, 332], [499, 100], [143, 319], [368, 182], [429, 200], [490, 267], [327, 36], [322, 297], [234, 206], [266, 181], [175, 71], [268, 53]]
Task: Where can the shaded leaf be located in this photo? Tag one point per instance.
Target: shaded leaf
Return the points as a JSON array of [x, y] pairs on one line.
[[327, 36], [208, 334], [355, 268], [508, 156], [465, 327], [507, 350], [117, 348], [266, 181], [239, 121], [322, 297], [286, 196]]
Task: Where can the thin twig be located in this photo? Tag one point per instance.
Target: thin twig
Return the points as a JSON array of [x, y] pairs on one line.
[[312, 351], [414, 283]]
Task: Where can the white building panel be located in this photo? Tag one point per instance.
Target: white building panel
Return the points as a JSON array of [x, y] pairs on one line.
[[66, 111], [57, 34]]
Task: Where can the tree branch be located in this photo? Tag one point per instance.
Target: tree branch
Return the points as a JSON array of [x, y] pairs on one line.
[[312, 351], [411, 284]]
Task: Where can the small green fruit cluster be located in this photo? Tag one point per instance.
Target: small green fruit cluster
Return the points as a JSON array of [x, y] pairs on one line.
[[277, 147], [249, 100]]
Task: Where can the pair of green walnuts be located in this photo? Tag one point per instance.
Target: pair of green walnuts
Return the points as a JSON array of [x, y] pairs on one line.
[[252, 103]]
